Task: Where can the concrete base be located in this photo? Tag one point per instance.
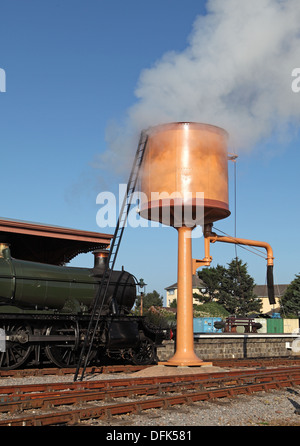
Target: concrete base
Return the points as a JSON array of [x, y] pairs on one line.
[[164, 370], [186, 364]]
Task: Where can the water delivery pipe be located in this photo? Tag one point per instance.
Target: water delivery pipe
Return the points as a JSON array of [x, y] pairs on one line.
[[211, 237]]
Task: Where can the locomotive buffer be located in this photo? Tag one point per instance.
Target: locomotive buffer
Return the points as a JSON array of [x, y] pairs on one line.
[[112, 256]]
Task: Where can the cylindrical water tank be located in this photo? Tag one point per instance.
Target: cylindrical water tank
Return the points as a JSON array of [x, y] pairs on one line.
[[184, 179]]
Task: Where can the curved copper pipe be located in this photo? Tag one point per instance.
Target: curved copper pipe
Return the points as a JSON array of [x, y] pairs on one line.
[[242, 241], [212, 237]]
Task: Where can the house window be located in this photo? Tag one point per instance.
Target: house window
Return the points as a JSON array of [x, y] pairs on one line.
[[171, 292]]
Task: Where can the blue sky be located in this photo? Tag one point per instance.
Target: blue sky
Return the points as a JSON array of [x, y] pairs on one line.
[[72, 68]]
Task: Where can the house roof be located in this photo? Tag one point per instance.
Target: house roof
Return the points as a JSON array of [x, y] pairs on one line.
[[48, 244], [196, 282], [262, 290]]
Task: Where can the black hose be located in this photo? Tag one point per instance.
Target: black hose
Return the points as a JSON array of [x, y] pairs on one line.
[[270, 285]]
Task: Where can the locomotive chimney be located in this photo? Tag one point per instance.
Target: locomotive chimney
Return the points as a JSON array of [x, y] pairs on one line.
[[100, 259], [3, 248]]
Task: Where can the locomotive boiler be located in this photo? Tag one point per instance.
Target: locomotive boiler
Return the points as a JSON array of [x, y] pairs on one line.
[[45, 310]]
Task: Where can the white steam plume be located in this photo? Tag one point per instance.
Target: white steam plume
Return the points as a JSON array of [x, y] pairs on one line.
[[234, 73]]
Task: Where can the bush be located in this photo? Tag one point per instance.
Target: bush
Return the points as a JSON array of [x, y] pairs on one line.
[[160, 317], [210, 309]]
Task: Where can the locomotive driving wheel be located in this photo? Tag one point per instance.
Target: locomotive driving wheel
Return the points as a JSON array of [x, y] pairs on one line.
[[16, 351], [144, 353], [63, 353]]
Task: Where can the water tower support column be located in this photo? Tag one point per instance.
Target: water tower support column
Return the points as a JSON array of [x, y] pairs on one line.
[[185, 354]]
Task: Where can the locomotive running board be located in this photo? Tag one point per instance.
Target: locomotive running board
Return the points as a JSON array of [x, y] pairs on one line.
[[112, 256]]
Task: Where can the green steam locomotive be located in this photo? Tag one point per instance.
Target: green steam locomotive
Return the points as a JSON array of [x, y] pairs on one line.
[[45, 311]]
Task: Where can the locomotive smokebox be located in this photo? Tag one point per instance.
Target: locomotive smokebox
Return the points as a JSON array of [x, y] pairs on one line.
[[184, 183]]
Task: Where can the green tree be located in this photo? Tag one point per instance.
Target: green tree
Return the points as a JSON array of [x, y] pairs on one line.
[[236, 291], [173, 304], [149, 300], [212, 282], [290, 302], [231, 287]]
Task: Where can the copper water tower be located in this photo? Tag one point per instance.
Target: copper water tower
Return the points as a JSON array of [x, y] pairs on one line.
[[182, 161]]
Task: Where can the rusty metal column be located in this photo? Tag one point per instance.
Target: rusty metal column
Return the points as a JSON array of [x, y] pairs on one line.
[[185, 355]]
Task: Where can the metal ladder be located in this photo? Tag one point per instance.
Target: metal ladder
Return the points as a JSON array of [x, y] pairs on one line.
[[112, 256]]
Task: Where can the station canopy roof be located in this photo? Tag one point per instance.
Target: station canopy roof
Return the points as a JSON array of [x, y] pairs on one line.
[[49, 244]]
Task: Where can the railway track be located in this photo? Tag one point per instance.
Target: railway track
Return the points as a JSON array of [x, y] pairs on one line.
[[106, 369], [257, 362], [128, 368], [73, 402]]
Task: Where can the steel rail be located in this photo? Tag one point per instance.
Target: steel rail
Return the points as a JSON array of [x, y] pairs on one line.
[[18, 389], [255, 362], [128, 368]]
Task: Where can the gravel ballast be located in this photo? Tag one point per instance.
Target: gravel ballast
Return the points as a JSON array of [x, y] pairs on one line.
[[274, 408]]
